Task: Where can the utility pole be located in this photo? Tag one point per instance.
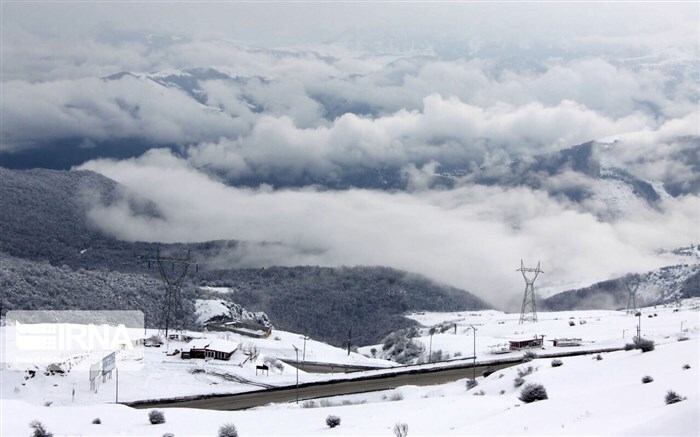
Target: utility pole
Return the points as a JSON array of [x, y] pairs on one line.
[[296, 349], [117, 387], [303, 359], [474, 352], [349, 339], [639, 325]]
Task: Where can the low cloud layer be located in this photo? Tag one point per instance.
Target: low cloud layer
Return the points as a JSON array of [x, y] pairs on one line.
[[472, 237]]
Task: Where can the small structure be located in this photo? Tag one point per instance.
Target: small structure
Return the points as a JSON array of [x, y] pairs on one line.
[[205, 348], [530, 343], [566, 342], [501, 348]]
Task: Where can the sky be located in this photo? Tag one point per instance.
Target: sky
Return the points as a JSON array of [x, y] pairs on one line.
[[320, 91]]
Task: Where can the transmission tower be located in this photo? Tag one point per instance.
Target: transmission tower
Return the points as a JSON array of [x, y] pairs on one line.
[[632, 284], [529, 309], [172, 282]]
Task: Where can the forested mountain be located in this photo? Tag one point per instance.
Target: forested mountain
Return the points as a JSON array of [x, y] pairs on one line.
[[38, 285], [326, 302]]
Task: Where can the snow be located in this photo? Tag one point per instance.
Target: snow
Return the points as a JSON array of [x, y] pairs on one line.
[[586, 396]]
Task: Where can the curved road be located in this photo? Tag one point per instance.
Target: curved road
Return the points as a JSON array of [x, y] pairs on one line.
[[416, 376], [324, 389]]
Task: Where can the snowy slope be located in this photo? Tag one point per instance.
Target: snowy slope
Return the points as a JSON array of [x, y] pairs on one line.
[[586, 397]]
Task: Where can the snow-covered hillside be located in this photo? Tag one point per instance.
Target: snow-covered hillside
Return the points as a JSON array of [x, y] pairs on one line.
[[586, 396], [221, 310]]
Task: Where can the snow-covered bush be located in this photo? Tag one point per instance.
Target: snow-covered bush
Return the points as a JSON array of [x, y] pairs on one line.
[[156, 417], [556, 363], [471, 383], [309, 404], [332, 421], [39, 430], [96, 421], [598, 357], [401, 429], [397, 396], [672, 397], [532, 393], [479, 393], [686, 366], [227, 430], [488, 371], [645, 345], [517, 382], [274, 363], [529, 356], [647, 379], [524, 371]]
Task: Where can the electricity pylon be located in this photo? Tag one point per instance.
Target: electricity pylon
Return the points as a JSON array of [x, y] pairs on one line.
[[529, 308], [172, 302], [632, 284]]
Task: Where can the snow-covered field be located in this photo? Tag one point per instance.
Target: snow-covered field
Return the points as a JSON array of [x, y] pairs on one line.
[[586, 396]]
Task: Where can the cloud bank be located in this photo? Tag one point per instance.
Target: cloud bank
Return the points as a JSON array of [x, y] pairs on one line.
[[472, 237]]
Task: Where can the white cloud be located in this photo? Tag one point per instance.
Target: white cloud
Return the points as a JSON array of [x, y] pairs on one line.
[[472, 237]]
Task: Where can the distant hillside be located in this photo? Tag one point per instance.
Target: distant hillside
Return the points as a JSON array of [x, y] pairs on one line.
[[663, 285], [326, 302]]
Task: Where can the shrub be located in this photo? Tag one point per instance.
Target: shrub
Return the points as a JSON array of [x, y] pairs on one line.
[[39, 430], [532, 393], [647, 379], [471, 383], [686, 366], [228, 430], [156, 417], [672, 397], [640, 343], [517, 382], [398, 396], [524, 371], [682, 338], [332, 421], [325, 403], [96, 421], [309, 404], [401, 429], [529, 356], [598, 357], [479, 393], [502, 392], [488, 371], [556, 363], [645, 345]]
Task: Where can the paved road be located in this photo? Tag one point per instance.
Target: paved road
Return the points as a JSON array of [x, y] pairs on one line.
[[333, 388], [416, 376]]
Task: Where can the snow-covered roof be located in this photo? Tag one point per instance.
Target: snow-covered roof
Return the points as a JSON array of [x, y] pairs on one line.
[[221, 345], [198, 343]]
